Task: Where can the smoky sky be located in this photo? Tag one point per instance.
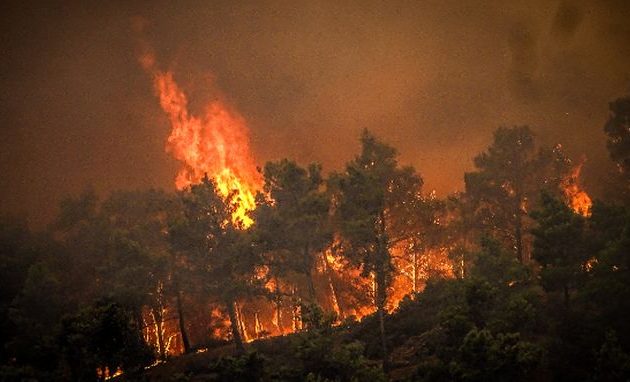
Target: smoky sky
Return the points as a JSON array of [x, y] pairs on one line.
[[432, 78]]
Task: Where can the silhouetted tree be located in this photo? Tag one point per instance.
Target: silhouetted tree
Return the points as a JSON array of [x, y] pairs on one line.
[[508, 180], [120, 250], [420, 223], [101, 339], [293, 224], [216, 247], [367, 196], [143, 268], [18, 253], [559, 246]]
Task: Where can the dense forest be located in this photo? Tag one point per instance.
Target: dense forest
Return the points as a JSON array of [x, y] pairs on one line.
[[355, 275]]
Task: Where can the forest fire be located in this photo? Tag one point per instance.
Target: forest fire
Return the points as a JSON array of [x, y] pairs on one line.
[[215, 144], [579, 201], [315, 191]]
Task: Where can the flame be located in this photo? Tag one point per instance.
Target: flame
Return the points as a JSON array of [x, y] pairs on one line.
[[106, 374], [215, 144], [164, 325], [419, 265], [577, 198]]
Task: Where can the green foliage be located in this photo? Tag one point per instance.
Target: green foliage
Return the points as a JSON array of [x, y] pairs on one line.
[[613, 363], [559, 246], [316, 320], [19, 250], [35, 315], [246, 368], [215, 248], [588, 258], [322, 358], [367, 198], [486, 357], [104, 264], [495, 264], [367, 194], [499, 292], [317, 354], [508, 179], [77, 211], [477, 328], [103, 335], [293, 226]]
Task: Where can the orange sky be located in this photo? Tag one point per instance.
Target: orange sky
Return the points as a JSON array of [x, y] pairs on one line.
[[432, 78]]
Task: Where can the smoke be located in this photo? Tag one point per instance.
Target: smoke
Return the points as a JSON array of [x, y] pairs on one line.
[[524, 50], [567, 20], [432, 78]]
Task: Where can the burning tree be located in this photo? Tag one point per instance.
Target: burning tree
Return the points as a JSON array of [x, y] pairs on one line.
[[420, 227], [299, 209], [214, 144], [216, 248], [501, 186], [507, 184], [292, 224], [367, 196], [559, 245]]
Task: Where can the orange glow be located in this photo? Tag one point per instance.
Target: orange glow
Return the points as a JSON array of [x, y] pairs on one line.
[[577, 198], [162, 325], [106, 374], [215, 144], [427, 263]]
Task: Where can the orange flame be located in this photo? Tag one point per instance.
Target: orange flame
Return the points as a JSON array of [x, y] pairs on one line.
[[215, 144], [577, 198]]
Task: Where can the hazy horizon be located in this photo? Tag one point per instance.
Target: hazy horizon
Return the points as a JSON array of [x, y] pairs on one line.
[[433, 79]]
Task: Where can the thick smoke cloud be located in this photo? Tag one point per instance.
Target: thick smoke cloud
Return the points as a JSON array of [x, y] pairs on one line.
[[567, 20], [432, 78]]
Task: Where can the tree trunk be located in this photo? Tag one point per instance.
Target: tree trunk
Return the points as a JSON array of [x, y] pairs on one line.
[[236, 333], [182, 324], [279, 316], [159, 325], [308, 272], [311, 288], [333, 291], [278, 301], [415, 271], [296, 311], [381, 296], [335, 300], [381, 269], [259, 329], [240, 322], [518, 236]]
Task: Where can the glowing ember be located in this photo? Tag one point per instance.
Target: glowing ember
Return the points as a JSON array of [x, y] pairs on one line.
[[577, 199], [215, 144], [106, 374]]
